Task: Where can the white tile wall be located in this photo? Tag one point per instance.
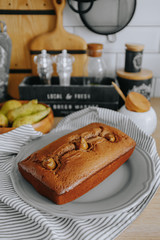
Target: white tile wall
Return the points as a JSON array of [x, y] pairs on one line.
[[144, 28]]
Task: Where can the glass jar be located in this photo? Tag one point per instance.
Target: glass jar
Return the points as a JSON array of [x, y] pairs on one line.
[[133, 57], [5, 57], [44, 63], [95, 69], [64, 63]]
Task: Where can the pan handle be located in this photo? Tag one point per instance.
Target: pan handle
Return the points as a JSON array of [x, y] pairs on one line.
[[111, 38], [79, 11]]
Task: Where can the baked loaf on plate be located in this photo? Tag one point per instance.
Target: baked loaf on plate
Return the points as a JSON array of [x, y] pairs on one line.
[[77, 162]]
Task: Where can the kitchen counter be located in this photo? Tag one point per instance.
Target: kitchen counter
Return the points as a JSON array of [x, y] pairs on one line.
[[147, 225]]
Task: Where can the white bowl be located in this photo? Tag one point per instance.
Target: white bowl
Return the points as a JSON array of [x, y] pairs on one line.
[[145, 120]]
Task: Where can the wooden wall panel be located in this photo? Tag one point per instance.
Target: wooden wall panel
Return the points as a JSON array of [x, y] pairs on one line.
[[26, 4], [25, 20], [21, 29]]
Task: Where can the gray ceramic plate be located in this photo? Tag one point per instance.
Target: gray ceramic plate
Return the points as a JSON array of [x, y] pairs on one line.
[[125, 188]]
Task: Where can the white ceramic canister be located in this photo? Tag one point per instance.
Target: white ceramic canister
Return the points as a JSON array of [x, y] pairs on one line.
[[145, 120]]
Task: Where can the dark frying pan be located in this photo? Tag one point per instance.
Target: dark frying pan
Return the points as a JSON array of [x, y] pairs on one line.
[[106, 17]]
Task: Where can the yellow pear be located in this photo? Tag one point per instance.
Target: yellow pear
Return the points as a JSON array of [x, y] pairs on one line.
[[9, 105], [38, 107], [3, 120], [31, 119], [24, 110]]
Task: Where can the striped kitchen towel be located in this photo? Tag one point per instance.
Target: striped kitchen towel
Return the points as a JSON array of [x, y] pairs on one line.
[[19, 220]]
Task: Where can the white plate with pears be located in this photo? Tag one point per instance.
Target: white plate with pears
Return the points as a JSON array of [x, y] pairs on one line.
[[39, 115]]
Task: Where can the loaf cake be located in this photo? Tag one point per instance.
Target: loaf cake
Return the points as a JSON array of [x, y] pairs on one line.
[[75, 163]]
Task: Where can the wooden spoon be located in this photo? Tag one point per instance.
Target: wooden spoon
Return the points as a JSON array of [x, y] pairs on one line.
[[134, 101], [119, 91]]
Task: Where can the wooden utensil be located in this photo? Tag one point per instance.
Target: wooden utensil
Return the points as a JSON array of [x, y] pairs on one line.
[[134, 101], [57, 40], [119, 91]]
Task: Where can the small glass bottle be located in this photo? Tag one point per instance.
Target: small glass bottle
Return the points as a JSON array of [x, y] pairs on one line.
[[64, 63], [95, 69], [44, 63]]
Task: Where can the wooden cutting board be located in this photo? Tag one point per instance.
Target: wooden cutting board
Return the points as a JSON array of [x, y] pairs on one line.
[[57, 40]]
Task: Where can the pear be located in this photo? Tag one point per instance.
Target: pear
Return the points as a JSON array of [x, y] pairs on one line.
[[3, 120], [9, 105], [24, 110], [38, 107], [31, 119]]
